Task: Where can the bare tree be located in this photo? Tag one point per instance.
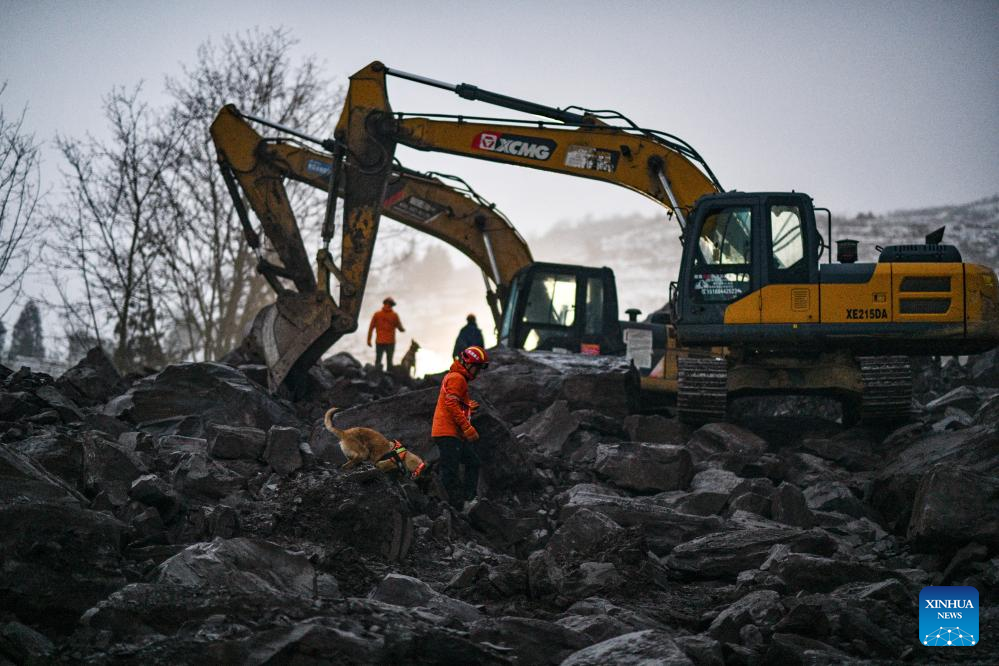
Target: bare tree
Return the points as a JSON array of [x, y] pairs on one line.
[[19, 198], [214, 289], [106, 228]]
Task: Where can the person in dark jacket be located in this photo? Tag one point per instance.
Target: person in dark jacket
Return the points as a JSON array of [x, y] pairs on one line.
[[469, 336]]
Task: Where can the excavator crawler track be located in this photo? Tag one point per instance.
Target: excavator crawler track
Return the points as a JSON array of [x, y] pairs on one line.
[[702, 390], [887, 388]]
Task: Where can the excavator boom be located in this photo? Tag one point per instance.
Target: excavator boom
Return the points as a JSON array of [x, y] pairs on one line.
[[305, 321]]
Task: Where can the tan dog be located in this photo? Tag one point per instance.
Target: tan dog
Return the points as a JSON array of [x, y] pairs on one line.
[[408, 363], [360, 444]]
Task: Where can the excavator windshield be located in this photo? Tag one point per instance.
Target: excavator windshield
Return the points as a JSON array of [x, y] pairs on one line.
[[723, 257]]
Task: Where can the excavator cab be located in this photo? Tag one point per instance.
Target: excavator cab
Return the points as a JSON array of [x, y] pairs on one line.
[[736, 245], [562, 307]]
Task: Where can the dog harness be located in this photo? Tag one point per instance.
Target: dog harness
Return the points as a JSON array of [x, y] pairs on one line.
[[398, 454]]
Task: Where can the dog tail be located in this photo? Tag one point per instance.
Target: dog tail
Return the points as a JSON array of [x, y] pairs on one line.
[[328, 421]]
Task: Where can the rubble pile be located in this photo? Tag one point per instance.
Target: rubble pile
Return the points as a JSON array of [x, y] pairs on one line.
[[191, 517]]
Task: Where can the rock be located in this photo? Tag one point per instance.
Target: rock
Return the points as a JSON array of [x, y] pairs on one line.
[[596, 628], [794, 649], [24, 645], [663, 526], [518, 382], [550, 429], [242, 566], [635, 649], [185, 398], [502, 524], [724, 441], [761, 608], [56, 453], [725, 554], [92, 381], [199, 477], [582, 535], [812, 573], [656, 429], [59, 560], [149, 489], [751, 502], [109, 468], [414, 593], [834, 497], [953, 506], [966, 398], [282, 452], [703, 650], [342, 364], [601, 424], [228, 442], [22, 477], [790, 507], [532, 641], [893, 489], [645, 468], [67, 410]]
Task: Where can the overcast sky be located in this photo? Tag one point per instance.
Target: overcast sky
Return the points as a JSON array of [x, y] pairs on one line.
[[864, 105]]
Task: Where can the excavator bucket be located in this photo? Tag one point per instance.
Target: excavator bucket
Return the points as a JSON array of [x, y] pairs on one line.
[[293, 333]]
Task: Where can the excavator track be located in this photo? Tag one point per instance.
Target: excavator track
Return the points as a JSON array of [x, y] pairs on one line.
[[702, 390], [887, 388]]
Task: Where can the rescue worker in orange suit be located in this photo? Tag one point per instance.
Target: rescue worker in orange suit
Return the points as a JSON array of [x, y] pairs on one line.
[[385, 323], [452, 430]]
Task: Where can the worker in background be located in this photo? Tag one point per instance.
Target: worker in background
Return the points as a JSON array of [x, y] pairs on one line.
[[469, 336], [452, 429], [385, 323]]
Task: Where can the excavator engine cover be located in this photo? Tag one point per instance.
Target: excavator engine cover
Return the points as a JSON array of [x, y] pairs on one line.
[[294, 332]]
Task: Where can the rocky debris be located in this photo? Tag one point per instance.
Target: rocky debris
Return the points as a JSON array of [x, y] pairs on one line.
[[92, 381], [184, 399], [411, 592], [644, 468], [236, 443], [955, 505], [641, 647], [183, 518]]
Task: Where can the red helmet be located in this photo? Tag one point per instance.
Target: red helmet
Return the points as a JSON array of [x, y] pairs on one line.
[[475, 356]]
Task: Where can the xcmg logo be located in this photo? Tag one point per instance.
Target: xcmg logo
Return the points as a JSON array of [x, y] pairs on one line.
[[512, 144], [948, 616]]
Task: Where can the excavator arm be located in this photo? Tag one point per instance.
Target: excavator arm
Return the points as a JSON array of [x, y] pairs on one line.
[[304, 322], [657, 165]]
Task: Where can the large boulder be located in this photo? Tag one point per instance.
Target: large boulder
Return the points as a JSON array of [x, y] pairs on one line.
[[59, 559], [892, 492], [645, 468], [532, 641], [187, 398], [246, 566], [549, 430], [663, 526], [651, 646], [953, 506], [92, 381], [725, 442], [411, 592], [726, 554], [522, 383]]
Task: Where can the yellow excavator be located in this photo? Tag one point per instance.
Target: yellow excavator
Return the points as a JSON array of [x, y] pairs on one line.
[[753, 311], [305, 319]]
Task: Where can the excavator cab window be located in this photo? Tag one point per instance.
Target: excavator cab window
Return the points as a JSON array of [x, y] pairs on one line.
[[787, 243], [594, 307], [550, 312], [722, 259]]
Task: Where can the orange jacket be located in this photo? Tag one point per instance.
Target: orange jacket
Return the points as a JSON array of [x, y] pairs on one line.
[[454, 407], [384, 323]]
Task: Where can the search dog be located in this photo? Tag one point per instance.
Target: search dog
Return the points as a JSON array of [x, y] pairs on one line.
[[360, 444]]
